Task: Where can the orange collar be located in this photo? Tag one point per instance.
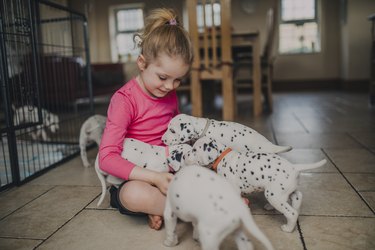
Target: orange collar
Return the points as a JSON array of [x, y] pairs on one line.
[[214, 166]]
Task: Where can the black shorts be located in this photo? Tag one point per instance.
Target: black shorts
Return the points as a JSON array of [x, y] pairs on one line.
[[115, 201]]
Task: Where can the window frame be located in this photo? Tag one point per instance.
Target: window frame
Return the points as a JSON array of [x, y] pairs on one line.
[[216, 25], [297, 22], [113, 27]]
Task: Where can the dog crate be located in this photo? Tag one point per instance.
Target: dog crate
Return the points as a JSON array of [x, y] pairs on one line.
[[46, 91]]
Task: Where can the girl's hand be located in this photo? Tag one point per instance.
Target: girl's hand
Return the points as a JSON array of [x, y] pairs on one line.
[[161, 181]]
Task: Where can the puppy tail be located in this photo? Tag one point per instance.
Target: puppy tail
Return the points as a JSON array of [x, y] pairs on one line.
[[302, 167], [252, 228], [102, 181]]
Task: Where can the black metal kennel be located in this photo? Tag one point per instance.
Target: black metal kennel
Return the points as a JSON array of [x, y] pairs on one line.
[[46, 90]]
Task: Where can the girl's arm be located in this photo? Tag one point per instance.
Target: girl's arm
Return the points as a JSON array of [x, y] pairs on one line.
[[119, 116], [160, 180]]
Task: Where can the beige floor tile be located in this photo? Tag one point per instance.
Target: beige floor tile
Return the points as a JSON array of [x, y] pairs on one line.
[[70, 173], [288, 126], [104, 229], [18, 197], [367, 139], [297, 155], [303, 140], [329, 194], [339, 125], [105, 204], [355, 160], [370, 198], [44, 215], [270, 226], [338, 233], [18, 244], [323, 194], [362, 182]]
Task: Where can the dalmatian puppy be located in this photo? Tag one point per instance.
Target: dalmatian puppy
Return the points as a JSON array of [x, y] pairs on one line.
[[91, 131], [253, 172], [185, 128], [147, 156], [215, 208], [30, 114]]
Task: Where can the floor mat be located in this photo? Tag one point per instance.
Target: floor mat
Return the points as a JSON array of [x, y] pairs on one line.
[[32, 157]]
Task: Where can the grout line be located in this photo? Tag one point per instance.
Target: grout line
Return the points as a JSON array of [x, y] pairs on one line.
[[19, 238], [301, 123], [338, 216], [355, 139], [66, 222], [346, 179], [301, 236], [17, 209]]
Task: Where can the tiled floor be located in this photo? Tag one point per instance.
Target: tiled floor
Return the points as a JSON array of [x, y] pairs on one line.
[[58, 210]]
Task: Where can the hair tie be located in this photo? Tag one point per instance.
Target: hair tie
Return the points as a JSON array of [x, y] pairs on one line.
[[173, 21], [138, 41]]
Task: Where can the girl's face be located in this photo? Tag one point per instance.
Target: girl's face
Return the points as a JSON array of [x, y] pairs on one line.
[[161, 75]]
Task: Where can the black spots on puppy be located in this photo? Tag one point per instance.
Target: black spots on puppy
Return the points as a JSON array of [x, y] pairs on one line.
[[177, 155], [183, 126]]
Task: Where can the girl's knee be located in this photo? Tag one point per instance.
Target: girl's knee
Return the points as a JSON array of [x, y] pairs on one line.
[[138, 196]]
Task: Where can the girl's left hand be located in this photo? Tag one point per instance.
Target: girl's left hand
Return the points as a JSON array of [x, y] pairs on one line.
[[162, 180]]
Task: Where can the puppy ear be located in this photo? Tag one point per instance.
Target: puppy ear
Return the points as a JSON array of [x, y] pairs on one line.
[[175, 165]]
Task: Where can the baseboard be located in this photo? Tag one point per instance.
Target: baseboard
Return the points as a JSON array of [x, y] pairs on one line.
[[321, 84], [356, 85]]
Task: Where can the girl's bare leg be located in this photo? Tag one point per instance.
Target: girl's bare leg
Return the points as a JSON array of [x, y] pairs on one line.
[[139, 196]]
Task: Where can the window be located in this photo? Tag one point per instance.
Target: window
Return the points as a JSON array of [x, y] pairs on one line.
[[211, 10], [125, 21], [299, 30]]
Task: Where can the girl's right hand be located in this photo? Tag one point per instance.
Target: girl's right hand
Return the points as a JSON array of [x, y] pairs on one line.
[[162, 180]]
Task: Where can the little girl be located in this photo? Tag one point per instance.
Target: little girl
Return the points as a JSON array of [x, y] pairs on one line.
[[142, 109]]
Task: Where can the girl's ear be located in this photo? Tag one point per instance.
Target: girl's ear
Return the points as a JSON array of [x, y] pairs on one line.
[[141, 62]]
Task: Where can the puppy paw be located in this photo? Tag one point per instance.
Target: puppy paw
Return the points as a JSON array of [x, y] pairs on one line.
[[287, 228], [171, 241]]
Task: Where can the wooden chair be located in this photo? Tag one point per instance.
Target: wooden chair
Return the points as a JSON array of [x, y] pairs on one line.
[[243, 61], [212, 56]]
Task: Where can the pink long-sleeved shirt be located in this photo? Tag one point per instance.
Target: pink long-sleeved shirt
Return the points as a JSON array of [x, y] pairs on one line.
[[132, 113]]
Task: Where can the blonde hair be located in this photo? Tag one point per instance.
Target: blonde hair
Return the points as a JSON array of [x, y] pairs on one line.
[[164, 33]]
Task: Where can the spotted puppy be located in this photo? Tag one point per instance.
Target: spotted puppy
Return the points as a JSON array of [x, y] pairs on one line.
[[30, 114], [215, 208], [91, 131], [147, 156], [184, 128], [253, 172]]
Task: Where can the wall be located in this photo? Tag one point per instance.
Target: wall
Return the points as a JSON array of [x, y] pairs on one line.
[[345, 48], [97, 12], [357, 46], [324, 65]]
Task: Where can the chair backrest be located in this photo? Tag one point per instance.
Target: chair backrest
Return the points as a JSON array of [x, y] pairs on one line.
[[212, 45], [270, 33]]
